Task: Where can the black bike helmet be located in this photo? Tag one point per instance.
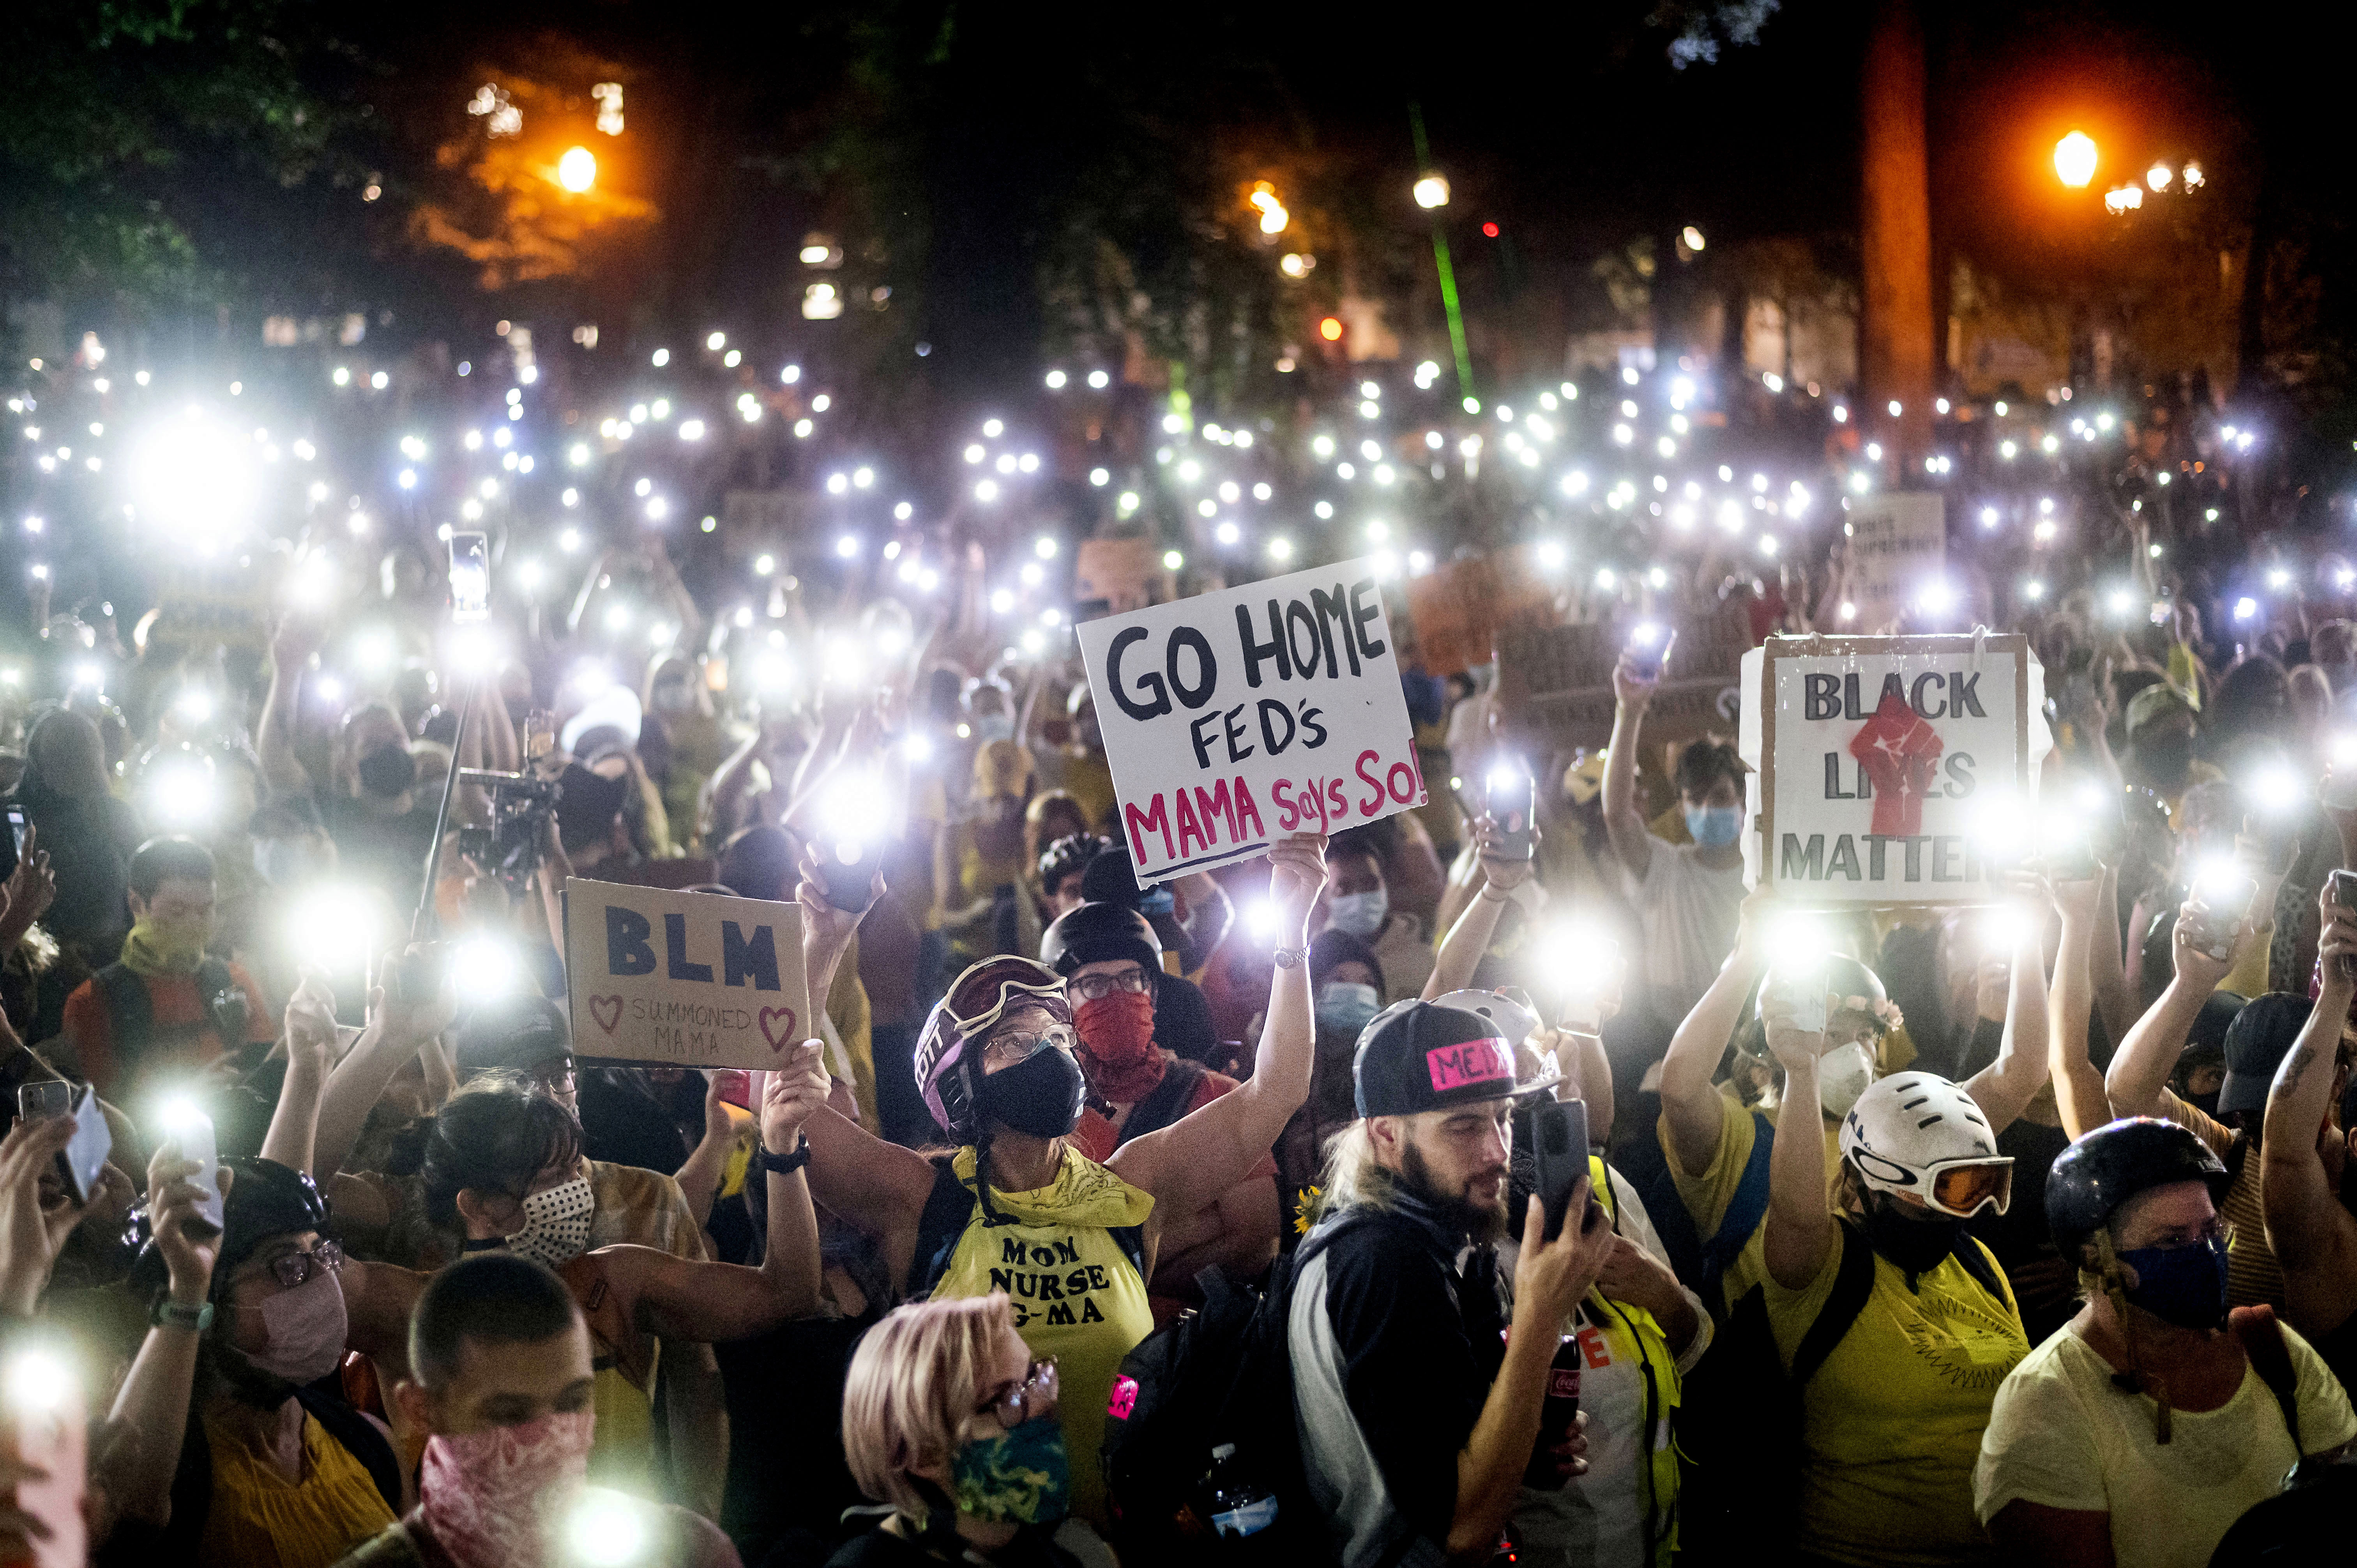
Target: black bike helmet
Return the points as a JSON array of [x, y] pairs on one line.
[[1066, 855], [2111, 1165], [265, 1199], [1096, 932]]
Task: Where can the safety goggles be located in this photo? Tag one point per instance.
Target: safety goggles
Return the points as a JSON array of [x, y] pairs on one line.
[[1004, 1050], [1965, 1187], [983, 992]]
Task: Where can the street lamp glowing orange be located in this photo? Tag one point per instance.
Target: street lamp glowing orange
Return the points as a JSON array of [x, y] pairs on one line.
[[2074, 161], [1331, 330], [577, 171]]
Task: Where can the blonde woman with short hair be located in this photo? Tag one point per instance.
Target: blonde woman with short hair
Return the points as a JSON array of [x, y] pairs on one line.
[[948, 1418]]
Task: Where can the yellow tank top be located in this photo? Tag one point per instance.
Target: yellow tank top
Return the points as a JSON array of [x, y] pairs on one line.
[[623, 1457], [1076, 1297], [259, 1520]]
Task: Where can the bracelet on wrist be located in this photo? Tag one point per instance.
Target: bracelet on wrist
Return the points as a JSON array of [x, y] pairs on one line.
[[169, 1314]]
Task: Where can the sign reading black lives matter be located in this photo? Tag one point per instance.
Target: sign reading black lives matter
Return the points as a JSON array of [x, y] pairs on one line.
[[1234, 718], [1883, 762], [686, 979]]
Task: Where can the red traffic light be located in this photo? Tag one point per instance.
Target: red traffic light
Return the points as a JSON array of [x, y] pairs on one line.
[[1490, 229]]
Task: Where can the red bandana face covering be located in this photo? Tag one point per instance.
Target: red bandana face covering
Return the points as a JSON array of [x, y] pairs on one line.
[[489, 1497], [1117, 1046]]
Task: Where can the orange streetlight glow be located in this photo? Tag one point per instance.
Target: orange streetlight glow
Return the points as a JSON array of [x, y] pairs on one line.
[[577, 171], [1331, 330], [2074, 161]]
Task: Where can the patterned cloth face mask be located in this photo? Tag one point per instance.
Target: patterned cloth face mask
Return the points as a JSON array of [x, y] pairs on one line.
[[555, 1224]]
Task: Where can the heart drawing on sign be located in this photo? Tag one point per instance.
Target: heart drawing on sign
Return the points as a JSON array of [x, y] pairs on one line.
[[606, 1010], [780, 1036]]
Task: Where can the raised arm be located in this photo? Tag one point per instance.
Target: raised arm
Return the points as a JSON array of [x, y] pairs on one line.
[[310, 1037], [1623, 821], [681, 1298], [2140, 1069], [298, 638], [2313, 1236], [1800, 1227], [1468, 939], [403, 1017], [1690, 1102], [155, 1393], [2106, 969], [2007, 1085], [2078, 1087], [1195, 1159]]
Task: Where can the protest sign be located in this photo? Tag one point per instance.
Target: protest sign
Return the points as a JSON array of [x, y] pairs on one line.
[[1232, 719], [1459, 606], [687, 979], [1888, 766], [1124, 574], [1897, 544], [1563, 674]]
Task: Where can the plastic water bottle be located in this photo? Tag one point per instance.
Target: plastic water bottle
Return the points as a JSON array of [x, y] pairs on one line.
[[1240, 1506], [1557, 1415]]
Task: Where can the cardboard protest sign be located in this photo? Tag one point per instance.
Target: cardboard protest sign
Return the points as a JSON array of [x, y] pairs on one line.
[[686, 979], [1125, 573], [1459, 606], [1898, 543], [1884, 763], [1565, 675], [1232, 719]]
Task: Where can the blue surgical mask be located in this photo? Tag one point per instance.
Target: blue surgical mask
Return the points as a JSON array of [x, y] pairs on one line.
[[1715, 827], [988, 727], [1361, 914], [2184, 1285], [1345, 1005]]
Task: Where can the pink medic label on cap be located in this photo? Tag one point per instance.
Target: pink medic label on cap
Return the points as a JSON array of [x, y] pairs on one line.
[[1471, 1062], [1124, 1399]]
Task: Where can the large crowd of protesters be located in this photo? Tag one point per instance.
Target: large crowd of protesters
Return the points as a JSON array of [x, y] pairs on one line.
[[1099, 1222]]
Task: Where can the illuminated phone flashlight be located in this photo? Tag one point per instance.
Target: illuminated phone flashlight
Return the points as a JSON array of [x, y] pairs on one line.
[[484, 964], [2002, 927], [854, 822], [185, 1123], [2275, 789], [178, 790], [605, 1529], [40, 1379]]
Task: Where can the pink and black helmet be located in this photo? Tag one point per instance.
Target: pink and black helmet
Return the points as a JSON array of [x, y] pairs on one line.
[[946, 1072]]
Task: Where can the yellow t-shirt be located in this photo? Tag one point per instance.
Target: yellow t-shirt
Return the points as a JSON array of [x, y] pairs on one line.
[[1708, 1192], [258, 1520], [1891, 1424], [1076, 1296], [2063, 1436]]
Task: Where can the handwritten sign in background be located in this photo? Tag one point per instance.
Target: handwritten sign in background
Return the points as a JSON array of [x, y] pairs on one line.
[[1234, 718]]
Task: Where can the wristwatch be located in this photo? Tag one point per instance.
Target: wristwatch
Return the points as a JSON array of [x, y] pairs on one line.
[[169, 1314], [785, 1164], [1286, 958]]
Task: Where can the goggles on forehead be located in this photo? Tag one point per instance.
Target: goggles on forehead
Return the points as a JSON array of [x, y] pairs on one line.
[[980, 997]]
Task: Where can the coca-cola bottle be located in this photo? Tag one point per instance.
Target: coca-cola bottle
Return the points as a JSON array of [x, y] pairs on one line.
[[1558, 1413]]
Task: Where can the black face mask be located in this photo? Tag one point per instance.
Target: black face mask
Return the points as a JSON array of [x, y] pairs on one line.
[[1040, 1095], [387, 771], [2166, 757], [1915, 1245]]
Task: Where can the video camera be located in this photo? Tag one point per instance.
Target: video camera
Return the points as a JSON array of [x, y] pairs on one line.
[[523, 807]]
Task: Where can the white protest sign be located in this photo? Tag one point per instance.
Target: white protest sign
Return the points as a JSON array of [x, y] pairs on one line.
[[686, 979], [1889, 765], [1233, 718], [1897, 545]]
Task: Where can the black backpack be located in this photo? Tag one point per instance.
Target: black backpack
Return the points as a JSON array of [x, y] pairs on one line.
[[1218, 1375], [1741, 1425]]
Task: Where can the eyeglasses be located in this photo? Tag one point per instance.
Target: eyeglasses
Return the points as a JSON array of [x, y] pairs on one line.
[[556, 1077], [1094, 987], [1034, 1399], [1963, 1189], [295, 1268], [1006, 1049]]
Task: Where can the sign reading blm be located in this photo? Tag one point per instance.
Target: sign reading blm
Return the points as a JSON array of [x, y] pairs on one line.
[[1233, 718], [686, 979], [1887, 763]]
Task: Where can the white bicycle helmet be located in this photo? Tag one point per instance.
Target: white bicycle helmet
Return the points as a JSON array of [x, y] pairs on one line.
[[1510, 1012], [1917, 1134]]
